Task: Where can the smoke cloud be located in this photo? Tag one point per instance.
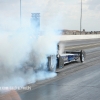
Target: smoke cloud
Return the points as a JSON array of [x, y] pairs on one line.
[[24, 52], [23, 49]]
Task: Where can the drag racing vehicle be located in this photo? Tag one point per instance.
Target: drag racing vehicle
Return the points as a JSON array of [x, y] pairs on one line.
[[65, 58]]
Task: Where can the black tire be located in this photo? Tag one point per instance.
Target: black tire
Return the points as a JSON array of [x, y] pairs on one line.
[[52, 63], [82, 56], [53, 68], [57, 64]]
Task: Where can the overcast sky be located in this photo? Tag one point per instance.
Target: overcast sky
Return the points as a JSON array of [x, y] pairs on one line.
[[64, 14]]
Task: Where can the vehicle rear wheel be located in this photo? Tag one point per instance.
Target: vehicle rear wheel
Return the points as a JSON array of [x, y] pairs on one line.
[[53, 68], [82, 56], [52, 63]]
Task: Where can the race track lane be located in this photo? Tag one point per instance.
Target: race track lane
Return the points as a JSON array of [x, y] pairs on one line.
[[77, 82]]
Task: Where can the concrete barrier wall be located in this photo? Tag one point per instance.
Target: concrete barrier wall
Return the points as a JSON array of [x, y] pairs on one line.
[[77, 37]]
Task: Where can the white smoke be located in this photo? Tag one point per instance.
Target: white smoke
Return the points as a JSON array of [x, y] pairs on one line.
[[23, 50], [61, 48], [23, 54]]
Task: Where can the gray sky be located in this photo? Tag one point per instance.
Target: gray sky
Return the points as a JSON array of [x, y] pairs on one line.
[[64, 14]]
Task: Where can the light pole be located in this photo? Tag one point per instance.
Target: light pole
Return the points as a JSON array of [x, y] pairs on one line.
[[81, 18], [20, 12]]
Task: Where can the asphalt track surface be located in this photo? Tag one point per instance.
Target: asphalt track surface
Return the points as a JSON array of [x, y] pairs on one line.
[[76, 81], [79, 44]]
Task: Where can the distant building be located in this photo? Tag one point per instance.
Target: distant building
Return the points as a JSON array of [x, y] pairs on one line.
[[77, 32], [70, 32], [35, 20], [83, 30]]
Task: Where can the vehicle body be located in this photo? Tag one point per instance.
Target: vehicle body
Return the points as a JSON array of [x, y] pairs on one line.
[[62, 59]]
